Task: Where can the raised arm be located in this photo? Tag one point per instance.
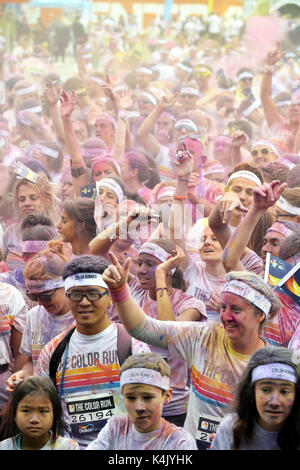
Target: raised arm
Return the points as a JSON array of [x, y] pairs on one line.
[[78, 166], [130, 313], [145, 132], [268, 104], [51, 95], [265, 196]]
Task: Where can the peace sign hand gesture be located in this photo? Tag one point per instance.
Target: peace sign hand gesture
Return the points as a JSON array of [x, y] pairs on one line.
[[116, 275]]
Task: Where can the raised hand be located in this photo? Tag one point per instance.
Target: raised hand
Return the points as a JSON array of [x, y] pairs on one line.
[[67, 104], [266, 195], [116, 275], [172, 262], [51, 93], [184, 162], [227, 204], [167, 100], [275, 55], [238, 138]]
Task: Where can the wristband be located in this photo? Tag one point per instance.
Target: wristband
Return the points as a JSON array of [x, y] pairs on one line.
[[180, 198], [121, 294], [162, 289]]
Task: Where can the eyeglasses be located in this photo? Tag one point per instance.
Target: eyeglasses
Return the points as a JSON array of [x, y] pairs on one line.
[[77, 296], [277, 216], [44, 297], [143, 101], [188, 96], [202, 74], [263, 151], [246, 79]]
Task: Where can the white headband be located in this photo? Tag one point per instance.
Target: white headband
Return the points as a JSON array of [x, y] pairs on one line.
[[111, 184], [185, 68], [248, 293], [84, 279], [245, 75], [213, 169], [144, 376], [265, 143], [186, 122], [47, 150], [250, 109], [154, 250], [149, 96], [189, 91], [276, 370], [245, 174], [144, 70], [283, 103], [35, 109], [44, 285], [23, 91], [286, 206]]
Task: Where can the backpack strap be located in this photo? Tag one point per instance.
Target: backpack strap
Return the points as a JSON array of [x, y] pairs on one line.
[[124, 343], [57, 355]]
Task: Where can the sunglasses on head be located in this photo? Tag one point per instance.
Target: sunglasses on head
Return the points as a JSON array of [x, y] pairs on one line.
[[203, 74], [42, 297], [263, 151]]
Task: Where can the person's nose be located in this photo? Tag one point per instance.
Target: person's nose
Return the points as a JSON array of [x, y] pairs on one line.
[[139, 405], [34, 418], [274, 400], [84, 301]]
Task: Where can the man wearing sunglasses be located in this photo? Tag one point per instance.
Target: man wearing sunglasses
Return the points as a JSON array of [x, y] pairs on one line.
[[86, 371], [264, 151]]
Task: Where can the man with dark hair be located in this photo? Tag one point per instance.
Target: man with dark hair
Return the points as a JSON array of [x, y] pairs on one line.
[[84, 362]]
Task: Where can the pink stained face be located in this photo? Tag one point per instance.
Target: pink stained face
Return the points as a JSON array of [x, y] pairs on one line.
[[271, 244], [238, 317], [274, 402], [144, 404]]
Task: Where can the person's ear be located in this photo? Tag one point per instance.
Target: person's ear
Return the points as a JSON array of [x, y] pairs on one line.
[[168, 396]]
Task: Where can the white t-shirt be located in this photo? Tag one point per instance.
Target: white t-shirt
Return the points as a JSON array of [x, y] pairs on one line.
[[61, 443], [12, 315], [120, 434], [41, 327], [90, 392]]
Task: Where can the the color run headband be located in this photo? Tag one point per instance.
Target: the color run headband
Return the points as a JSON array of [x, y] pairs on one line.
[[47, 150], [265, 143], [275, 371], [155, 250], [248, 293], [149, 96], [283, 103], [24, 91], [286, 206], [185, 68], [111, 184], [187, 123], [144, 70], [245, 174], [34, 246], [144, 376], [250, 109], [245, 75], [84, 279], [92, 152], [43, 285], [189, 91], [280, 228], [165, 114]]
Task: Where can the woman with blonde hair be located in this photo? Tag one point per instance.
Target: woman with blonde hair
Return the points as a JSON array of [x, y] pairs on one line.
[[28, 198], [51, 316]]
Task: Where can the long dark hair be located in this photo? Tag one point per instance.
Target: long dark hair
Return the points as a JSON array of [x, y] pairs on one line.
[[42, 385], [245, 404]]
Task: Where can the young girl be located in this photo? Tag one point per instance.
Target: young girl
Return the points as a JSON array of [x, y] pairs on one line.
[[266, 411], [36, 418], [143, 427]]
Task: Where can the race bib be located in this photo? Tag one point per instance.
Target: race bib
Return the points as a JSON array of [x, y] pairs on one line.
[[207, 428], [88, 414]]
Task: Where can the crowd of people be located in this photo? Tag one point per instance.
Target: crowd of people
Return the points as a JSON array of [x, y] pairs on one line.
[[143, 201]]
